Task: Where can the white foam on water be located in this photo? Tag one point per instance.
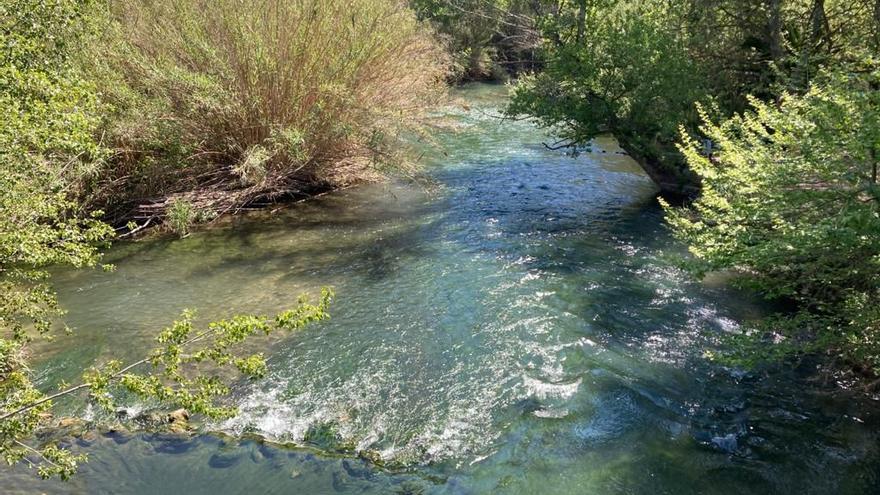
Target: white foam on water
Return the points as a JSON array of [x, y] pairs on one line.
[[454, 419], [544, 390]]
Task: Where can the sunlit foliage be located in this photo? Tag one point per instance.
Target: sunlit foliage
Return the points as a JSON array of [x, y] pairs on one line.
[[636, 68], [791, 203], [624, 72], [222, 105]]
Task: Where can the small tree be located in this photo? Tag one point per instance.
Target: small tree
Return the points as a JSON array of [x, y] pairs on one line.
[[626, 73]]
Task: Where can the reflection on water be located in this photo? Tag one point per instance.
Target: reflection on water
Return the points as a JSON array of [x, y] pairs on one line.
[[520, 328]]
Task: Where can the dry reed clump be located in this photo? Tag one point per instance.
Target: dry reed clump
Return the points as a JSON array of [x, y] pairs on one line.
[[223, 103]]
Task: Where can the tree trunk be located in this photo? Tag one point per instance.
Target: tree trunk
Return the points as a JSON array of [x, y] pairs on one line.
[[774, 30], [819, 32], [582, 19]]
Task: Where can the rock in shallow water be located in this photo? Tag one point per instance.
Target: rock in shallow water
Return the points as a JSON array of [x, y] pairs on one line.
[[727, 443], [222, 460]]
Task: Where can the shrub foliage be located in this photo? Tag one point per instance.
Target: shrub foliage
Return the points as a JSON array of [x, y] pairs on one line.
[[225, 104], [791, 202]]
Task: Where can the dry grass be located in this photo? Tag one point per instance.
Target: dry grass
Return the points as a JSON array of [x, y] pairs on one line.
[[228, 102]]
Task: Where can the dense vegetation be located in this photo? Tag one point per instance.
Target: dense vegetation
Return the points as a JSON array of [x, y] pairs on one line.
[[617, 69], [488, 39], [218, 107], [174, 111], [768, 111], [791, 202], [637, 68]]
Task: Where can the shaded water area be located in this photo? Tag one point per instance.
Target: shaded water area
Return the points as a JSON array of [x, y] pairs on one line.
[[520, 327]]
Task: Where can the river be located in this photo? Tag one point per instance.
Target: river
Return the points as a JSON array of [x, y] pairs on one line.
[[517, 326]]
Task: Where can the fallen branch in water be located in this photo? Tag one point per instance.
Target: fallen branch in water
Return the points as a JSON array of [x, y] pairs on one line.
[[557, 146]]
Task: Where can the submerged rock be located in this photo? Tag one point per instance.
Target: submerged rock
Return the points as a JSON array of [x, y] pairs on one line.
[[119, 435], [180, 415], [66, 429], [372, 456], [223, 460], [149, 419], [728, 443], [70, 423], [178, 421], [86, 438]]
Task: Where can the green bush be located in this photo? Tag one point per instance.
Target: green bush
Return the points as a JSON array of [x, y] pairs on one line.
[[47, 145], [51, 115], [180, 216], [791, 202]]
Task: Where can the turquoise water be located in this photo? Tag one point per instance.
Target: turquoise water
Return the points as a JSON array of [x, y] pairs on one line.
[[518, 326]]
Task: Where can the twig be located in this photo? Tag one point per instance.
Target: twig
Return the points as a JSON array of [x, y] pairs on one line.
[[557, 146], [35, 451], [138, 229]]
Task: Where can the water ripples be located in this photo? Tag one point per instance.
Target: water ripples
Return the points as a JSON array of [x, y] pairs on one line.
[[520, 329]]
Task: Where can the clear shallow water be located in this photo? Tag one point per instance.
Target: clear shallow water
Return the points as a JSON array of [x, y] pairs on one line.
[[518, 328]]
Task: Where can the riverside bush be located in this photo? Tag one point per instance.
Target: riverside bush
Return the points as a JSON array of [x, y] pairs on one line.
[[226, 102], [791, 203]]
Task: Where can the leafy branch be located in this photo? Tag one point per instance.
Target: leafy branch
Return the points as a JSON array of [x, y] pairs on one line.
[[190, 368]]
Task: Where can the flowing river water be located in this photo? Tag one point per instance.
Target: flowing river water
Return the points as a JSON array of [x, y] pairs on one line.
[[518, 327]]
